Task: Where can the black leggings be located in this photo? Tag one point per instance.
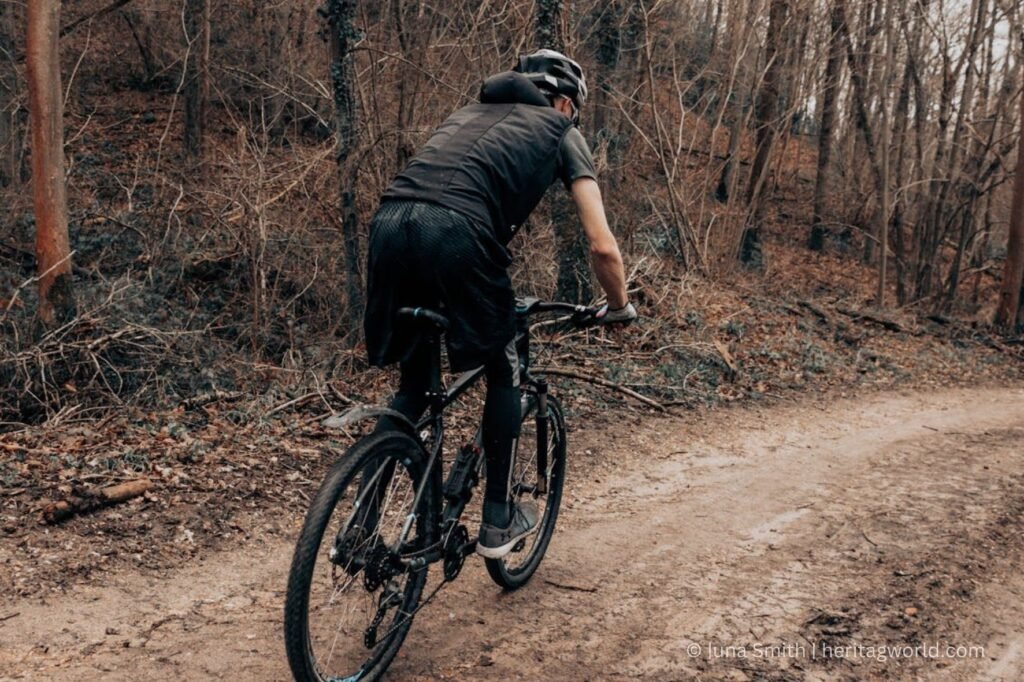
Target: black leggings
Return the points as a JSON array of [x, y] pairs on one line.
[[501, 410]]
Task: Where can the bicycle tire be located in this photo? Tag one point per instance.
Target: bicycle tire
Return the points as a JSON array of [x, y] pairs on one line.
[[344, 475], [502, 571]]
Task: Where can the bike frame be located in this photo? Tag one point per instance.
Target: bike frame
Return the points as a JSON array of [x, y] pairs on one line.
[[440, 397]]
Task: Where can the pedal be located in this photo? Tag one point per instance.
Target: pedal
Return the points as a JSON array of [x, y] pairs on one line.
[[462, 476]]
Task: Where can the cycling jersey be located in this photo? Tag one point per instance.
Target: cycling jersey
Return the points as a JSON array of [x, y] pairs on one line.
[[493, 161]]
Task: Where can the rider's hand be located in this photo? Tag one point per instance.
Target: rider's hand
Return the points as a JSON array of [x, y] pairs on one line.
[[624, 315]]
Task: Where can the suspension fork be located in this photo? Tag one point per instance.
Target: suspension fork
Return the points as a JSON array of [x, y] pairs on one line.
[[542, 435]]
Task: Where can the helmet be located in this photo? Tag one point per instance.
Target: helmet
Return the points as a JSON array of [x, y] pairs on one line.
[[555, 74]]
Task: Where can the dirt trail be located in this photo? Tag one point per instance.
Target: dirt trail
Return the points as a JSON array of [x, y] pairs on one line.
[[773, 543]]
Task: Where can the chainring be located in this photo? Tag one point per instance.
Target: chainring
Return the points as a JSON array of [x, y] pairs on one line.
[[454, 559]]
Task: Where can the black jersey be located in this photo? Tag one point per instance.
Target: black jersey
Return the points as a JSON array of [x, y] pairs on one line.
[[493, 162]]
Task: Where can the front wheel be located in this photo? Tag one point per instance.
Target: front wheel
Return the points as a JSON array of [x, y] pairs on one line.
[[536, 481]]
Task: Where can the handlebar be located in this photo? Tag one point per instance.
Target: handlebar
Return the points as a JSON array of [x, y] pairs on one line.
[[581, 315]]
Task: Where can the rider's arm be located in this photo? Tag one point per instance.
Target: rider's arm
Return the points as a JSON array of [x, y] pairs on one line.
[[604, 250]]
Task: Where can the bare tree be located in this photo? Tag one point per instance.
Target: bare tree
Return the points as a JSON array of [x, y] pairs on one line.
[[8, 98], [1010, 314], [766, 112], [197, 88], [46, 108], [573, 282], [548, 24], [833, 70], [413, 39], [343, 38]]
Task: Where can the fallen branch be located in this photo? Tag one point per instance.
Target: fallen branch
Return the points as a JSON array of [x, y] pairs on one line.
[[891, 325], [92, 500], [210, 397], [821, 314], [601, 382], [295, 401]]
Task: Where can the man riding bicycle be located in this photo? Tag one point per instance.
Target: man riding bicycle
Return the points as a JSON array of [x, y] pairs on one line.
[[438, 240]]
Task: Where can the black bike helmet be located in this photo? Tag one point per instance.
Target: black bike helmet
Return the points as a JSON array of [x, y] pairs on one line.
[[555, 74]]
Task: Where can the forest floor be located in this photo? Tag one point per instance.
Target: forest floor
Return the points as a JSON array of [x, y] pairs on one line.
[[751, 542]]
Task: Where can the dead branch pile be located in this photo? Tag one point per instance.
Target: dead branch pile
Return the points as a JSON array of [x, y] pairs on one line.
[[96, 359]]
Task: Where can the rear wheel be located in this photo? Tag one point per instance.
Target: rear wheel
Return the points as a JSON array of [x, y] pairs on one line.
[[350, 598], [530, 482]]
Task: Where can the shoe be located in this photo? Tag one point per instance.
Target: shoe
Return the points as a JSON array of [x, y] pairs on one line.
[[495, 542]]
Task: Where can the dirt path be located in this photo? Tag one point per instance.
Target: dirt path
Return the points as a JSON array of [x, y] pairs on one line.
[[778, 543]]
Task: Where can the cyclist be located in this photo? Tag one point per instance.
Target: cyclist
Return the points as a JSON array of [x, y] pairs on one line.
[[438, 240]]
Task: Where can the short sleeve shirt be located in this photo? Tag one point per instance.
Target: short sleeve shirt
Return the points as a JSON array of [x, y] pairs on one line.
[[574, 159]]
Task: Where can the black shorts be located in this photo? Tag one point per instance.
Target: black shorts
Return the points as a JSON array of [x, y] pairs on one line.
[[424, 255]]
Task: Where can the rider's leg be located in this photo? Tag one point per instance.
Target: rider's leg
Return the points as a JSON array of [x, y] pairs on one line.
[[410, 400], [413, 384], [500, 429]]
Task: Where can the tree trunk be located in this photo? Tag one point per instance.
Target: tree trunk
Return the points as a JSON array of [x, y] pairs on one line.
[[413, 39], [197, 15], [573, 281], [46, 109], [1009, 313], [9, 142], [833, 69], [343, 36], [860, 101], [608, 38], [766, 111], [548, 25]]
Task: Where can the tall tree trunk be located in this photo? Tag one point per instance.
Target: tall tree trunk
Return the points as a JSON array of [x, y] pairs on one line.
[[609, 39], [734, 107], [573, 282], [46, 109], [766, 111], [197, 16], [413, 39], [833, 69], [343, 36], [548, 25], [885, 207], [863, 118], [1009, 312], [9, 142]]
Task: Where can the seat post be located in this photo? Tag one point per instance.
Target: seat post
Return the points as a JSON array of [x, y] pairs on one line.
[[436, 391]]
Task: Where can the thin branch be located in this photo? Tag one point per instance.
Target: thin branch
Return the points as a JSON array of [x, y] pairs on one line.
[[551, 371]]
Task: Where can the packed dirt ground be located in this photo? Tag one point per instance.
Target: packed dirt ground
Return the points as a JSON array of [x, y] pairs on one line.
[[870, 537]]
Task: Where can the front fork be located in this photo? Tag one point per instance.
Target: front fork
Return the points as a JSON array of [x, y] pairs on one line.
[[542, 436], [540, 389]]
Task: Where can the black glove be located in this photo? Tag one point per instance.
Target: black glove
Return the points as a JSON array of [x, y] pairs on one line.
[[624, 315]]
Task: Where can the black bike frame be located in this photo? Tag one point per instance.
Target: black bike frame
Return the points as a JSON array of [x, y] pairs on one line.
[[439, 398]]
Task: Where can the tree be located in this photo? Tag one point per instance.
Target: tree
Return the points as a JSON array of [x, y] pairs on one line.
[[548, 24], [1010, 313], [573, 283], [46, 111], [8, 99], [343, 37], [766, 113], [197, 21], [833, 69]]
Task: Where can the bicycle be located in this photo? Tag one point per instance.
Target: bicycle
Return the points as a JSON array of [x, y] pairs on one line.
[[396, 517]]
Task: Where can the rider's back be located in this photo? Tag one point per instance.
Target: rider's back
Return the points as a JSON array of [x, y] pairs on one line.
[[490, 161]]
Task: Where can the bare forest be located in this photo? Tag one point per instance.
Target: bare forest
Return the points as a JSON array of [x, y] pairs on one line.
[[221, 163], [815, 199]]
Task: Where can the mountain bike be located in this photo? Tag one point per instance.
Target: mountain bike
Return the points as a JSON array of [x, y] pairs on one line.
[[384, 514]]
